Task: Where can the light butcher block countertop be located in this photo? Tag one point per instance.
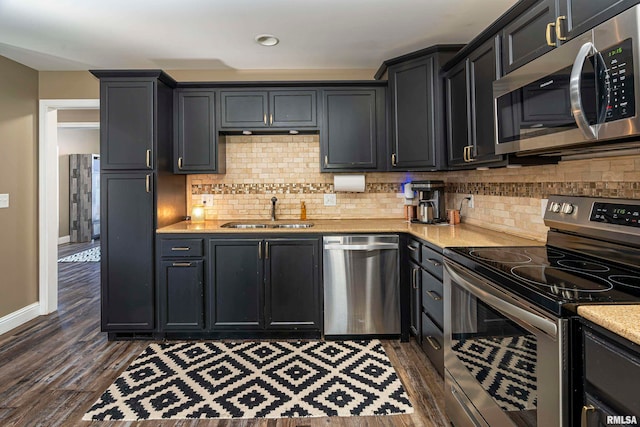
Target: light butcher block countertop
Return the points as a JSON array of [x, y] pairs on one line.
[[619, 319], [439, 235]]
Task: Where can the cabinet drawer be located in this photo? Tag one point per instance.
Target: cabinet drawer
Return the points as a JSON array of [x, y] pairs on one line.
[[605, 364], [181, 248], [432, 298], [432, 343], [432, 261], [413, 248]]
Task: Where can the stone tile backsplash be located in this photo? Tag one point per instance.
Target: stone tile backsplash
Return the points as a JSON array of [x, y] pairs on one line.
[[288, 166]]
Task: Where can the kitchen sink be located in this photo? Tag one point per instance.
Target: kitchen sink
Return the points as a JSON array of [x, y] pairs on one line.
[[267, 225]]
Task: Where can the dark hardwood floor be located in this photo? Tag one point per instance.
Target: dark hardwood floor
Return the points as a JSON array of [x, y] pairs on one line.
[[53, 368]]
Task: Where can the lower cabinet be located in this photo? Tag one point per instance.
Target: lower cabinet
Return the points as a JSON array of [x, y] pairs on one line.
[[239, 285], [424, 273]]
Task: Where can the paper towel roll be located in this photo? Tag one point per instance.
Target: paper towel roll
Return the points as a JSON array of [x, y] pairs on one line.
[[351, 183]]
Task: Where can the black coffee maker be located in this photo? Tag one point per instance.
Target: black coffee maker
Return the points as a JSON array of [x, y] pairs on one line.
[[430, 201]]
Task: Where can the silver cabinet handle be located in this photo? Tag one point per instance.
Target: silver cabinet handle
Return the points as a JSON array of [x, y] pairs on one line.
[[326, 161], [434, 295], [149, 159], [412, 248], [584, 413], [548, 34], [574, 90], [180, 248], [264, 118], [414, 278], [266, 250], [433, 343], [434, 262], [147, 183], [394, 160], [559, 35], [259, 250], [270, 119], [179, 162], [181, 264]]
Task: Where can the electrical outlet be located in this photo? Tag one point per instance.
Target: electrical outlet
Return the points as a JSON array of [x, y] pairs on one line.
[[470, 201], [330, 200], [4, 200], [207, 199]]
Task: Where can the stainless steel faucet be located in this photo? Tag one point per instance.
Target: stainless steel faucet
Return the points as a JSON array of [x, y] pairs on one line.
[[273, 208]]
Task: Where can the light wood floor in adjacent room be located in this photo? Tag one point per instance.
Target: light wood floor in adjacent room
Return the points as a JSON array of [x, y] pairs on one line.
[[53, 368]]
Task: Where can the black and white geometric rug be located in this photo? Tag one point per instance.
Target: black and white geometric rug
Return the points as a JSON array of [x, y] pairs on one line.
[[183, 380], [90, 255], [504, 366]]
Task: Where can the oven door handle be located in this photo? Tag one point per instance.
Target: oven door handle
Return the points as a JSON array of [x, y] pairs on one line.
[[500, 300], [575, 82]]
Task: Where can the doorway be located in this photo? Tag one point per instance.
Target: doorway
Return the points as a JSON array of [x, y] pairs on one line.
[[48, 188]]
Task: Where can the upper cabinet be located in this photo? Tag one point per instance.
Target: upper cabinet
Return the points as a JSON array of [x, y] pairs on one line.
[[127, 116], [353, 129], [417, 122], [549, 23], [469, 89], [196, 148], [261, 109]]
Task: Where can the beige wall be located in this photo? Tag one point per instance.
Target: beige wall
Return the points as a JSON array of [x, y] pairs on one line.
[[68, 85], [71, 141], [18, 177]]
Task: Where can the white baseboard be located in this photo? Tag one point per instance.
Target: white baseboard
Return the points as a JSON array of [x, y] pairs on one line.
[[64, 239], [17, 318]]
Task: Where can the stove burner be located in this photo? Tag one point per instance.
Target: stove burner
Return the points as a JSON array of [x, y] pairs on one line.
[[500, 255], [620, 279], [551, 254], [583, 265], [561, 281]]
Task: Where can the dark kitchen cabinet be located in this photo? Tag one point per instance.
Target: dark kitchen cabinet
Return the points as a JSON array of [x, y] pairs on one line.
[[353, 130], [292, 284], [611, 373], [417, 121], [416, 301], [524, 39], [236, 271], [263, 109], [127, 223], [182, 297], [196, 148], [470, 121], [138, 194], [549, 23], [127, 116], [271, 284]]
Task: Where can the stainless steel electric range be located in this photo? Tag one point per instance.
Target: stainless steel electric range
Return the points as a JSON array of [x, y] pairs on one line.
[[510, 312]]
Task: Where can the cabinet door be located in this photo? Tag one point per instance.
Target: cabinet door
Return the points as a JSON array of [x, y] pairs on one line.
[[127, 251], [182, 295], [236, 275], [457, 114], [196, 137], [293, 108], [416, 301], [582, 15], [244, 109], [524, 38], [127, 118], [412, 87], [292, 284], [483, 70], [351, 129]]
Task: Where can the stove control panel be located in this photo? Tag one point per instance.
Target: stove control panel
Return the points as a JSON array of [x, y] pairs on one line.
[[616, 213]]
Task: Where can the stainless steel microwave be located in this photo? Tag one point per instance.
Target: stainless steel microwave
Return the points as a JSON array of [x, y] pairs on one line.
[[579, 97]]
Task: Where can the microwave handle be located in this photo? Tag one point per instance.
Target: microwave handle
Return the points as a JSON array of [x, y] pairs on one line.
[[574, 90]]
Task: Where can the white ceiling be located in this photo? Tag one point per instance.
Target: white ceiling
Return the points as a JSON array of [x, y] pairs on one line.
[[219, 34]]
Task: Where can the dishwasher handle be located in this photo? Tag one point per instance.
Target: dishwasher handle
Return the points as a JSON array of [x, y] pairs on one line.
[[365, 247]]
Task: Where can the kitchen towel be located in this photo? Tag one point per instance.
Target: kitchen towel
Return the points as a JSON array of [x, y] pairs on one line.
[[349, 183]]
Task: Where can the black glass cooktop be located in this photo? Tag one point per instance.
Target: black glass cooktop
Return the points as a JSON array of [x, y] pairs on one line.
[[554, 279]]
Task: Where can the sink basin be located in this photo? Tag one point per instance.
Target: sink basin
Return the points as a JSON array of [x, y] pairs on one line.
[[267, 225]]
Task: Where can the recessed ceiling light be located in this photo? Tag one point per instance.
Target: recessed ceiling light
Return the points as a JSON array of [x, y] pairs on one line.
[[267, 40]]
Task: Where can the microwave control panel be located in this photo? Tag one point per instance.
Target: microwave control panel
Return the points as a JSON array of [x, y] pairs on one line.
[[619, 62]]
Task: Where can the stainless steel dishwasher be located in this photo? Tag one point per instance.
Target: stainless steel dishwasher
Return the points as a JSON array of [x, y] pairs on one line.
[[361, 285]]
